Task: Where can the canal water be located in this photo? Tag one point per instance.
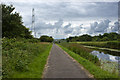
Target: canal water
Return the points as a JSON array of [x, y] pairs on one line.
[[109, 59], [105, 56]]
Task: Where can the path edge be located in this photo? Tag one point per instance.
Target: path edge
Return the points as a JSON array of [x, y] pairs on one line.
[[46, 65]]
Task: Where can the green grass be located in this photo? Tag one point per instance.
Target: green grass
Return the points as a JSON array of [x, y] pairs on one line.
[[35, 69], [92, 68], [23, 58]]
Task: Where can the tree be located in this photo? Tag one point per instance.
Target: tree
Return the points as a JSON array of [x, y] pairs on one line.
[[95, 38], [85, 37], [12, 26], [113, 36], [45, 38], [67, 39], [105, 39]]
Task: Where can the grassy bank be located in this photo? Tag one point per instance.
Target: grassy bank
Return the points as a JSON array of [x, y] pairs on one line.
[[105, 44], [82, 51], [24, 58], [99, 48], [90, 66]]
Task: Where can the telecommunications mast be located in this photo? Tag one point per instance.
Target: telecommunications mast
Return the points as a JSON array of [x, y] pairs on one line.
[[33, 23]]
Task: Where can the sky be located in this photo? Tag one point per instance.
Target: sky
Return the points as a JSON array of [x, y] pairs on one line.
[[64, 18]]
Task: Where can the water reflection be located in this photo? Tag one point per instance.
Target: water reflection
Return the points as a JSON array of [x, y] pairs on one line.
[[103, 56]]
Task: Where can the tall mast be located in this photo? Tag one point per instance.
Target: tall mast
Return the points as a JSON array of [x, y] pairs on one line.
[[33, 22]]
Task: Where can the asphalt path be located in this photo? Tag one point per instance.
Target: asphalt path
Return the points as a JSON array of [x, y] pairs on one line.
[[60, 65]]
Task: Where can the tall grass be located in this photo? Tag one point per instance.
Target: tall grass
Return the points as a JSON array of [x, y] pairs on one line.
[[17, 55], [82, 51]]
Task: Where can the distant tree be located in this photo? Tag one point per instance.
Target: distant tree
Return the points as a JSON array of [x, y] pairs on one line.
[[113, 36], [12, 25], [95, 38], [105, 39], [118, 37], [85, 37], [105, 34], [100, 36], [45, 38], [70, 38], [67, 40]]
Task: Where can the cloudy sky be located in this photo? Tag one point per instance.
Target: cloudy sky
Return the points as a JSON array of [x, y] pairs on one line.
[[62, 19]]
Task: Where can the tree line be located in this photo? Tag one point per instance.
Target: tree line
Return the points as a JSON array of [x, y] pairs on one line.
[[12, 25], [105, 37]]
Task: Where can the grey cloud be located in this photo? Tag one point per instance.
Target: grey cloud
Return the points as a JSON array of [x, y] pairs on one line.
[[99, 27], [57, 29], [102, 9], [67, 29], [58, 25], [77, 30], [67, 26], [43, 25], [68, 10], [115, 27], [92, 27], [102, 26]]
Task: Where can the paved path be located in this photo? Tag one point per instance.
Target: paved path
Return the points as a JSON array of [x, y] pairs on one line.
[[60, 65]]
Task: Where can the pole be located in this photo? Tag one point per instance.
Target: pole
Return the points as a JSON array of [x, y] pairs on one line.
[[33, 22]]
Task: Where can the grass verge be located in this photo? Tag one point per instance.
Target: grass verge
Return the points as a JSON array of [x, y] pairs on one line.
[[35, 69], [92, 68], [23, 58], [82, 51]]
